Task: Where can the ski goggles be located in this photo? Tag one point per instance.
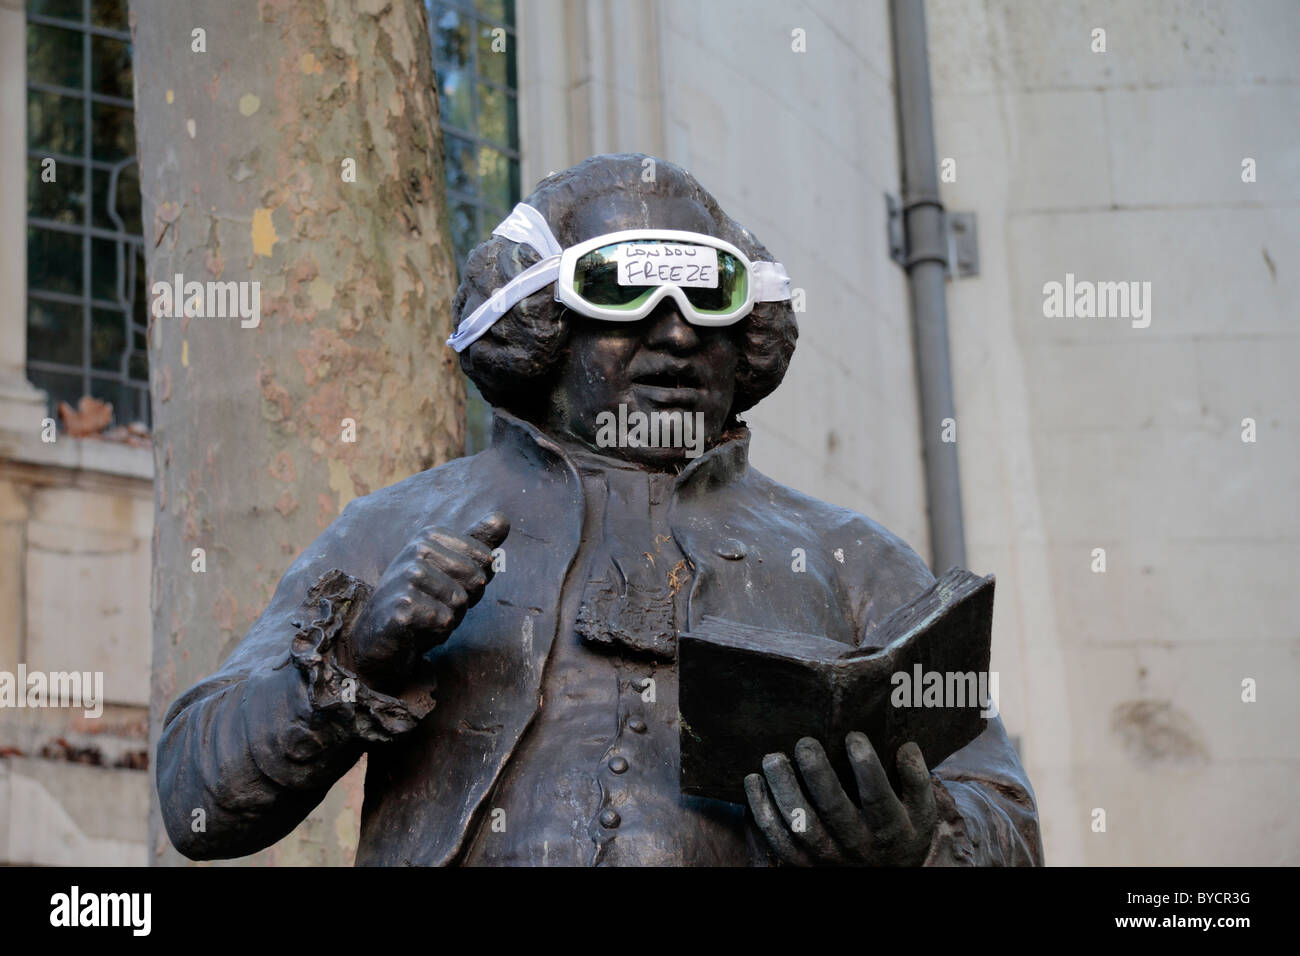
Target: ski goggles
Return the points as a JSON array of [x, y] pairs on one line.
[[623, 276]]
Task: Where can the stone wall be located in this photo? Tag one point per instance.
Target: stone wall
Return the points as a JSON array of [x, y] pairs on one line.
[[1078, 434], [75, 525]]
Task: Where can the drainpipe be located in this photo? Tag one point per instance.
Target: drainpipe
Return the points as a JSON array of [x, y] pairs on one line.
[[926, 262]]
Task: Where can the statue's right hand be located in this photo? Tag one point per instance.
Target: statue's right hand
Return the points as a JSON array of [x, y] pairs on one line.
[[421, 599]]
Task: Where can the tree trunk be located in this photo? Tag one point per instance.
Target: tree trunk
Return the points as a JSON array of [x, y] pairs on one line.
[[248, 135]]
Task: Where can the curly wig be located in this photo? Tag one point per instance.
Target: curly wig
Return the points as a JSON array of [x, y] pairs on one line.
[[510, 363]]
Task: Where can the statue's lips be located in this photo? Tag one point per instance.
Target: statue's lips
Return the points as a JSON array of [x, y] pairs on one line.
[[678, 384]]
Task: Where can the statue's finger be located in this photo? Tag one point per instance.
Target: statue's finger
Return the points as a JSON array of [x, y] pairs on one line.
[[435, 555], [491, 529], [469, 549], [842, 819], [918, 790], [424, 575], [429, 617], [798, 810], [881, 809], [771, 825]]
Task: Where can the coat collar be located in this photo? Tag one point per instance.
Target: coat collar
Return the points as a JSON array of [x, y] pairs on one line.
[[723, 464]]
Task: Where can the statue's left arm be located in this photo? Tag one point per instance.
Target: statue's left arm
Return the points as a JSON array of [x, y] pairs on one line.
[[987, 814]]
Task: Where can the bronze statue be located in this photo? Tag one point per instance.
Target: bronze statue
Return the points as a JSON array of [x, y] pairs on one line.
[[499, 633]]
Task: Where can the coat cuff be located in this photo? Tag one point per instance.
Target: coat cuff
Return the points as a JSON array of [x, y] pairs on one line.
[[952, 844], [334, 690]]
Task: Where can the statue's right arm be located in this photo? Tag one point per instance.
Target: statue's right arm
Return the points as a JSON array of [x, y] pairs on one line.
[[247, 753]]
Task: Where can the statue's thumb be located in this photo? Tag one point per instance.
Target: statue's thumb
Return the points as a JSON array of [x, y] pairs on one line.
[[491, 529]]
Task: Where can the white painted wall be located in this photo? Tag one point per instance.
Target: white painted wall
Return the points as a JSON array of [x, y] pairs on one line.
[[1088, 433]]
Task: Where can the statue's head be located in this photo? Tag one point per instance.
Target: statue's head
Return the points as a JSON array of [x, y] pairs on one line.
[[686, 353]]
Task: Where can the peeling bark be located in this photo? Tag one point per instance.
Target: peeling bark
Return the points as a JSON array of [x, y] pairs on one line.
[[242, 152]]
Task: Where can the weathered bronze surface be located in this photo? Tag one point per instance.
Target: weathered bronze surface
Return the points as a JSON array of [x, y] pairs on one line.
[[522, 708]]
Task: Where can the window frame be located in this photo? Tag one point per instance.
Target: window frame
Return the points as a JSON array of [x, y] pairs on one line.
[[128, 246]]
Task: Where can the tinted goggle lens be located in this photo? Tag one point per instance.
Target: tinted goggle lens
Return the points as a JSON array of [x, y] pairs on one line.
[[713, 286]]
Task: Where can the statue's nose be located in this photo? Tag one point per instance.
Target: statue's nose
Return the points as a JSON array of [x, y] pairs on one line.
[[668, 330]]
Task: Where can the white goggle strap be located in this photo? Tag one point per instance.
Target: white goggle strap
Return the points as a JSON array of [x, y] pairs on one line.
[[771, 284], [524, 225], [536, 276]]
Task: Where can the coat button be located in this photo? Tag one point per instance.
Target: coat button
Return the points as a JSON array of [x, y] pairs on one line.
[[731, 549], [609, 819], [618, 764], [636, 725]]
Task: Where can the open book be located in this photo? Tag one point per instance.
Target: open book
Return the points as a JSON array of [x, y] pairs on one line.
[[919, 674]]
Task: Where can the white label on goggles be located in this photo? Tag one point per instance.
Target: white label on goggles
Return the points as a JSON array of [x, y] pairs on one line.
[[664, 263]]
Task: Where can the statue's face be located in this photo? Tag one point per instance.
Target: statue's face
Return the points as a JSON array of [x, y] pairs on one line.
[[661, 363]]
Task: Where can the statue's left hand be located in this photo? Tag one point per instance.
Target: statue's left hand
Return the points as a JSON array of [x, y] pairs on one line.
[[816, 824]]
